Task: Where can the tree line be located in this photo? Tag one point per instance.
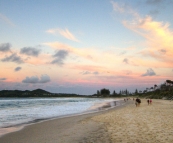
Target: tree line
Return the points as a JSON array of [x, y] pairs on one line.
[[106, 93], [164, 90]]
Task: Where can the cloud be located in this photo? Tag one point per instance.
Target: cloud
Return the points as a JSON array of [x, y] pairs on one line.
[[126, 61], [35, 79], [59, 57], [88, 72], [94, 54], [123, 8], [65, 33], [60, 46], [30, 51], [6, 20], [158, 35], [5, 47], [149, 72], [13, 58], [117, 7], [2, 78], [44, 79], [17, 69], [96, 72], [163, 51]]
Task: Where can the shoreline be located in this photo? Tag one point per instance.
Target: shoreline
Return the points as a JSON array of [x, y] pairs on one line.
[[102, 107], [126, 124], [68, 129]]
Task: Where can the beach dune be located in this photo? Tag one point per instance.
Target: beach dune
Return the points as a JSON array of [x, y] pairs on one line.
[[126, 124]]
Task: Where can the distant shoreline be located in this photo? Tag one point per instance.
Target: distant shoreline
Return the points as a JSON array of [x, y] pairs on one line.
[[42, 93], [35, 93]]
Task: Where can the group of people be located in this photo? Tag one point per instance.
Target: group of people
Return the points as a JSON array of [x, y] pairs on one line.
[[149, 101], [126, 99], [138, 101]]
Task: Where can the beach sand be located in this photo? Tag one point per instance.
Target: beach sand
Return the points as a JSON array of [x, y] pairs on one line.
[[126, 124], [144, 124]]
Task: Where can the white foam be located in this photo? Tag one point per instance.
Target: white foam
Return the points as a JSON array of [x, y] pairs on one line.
[[19, 111]]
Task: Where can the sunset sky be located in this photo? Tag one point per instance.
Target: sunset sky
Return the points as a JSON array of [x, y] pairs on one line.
[[81, 46]]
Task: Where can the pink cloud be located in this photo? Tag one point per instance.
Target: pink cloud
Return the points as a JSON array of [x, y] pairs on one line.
[[65, 33], [157, 34], [82, 52]]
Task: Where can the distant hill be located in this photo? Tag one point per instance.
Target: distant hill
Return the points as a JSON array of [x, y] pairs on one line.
[[40, 91], [34, 93]]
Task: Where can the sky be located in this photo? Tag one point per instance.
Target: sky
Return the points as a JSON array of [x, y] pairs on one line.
[[82, 46]]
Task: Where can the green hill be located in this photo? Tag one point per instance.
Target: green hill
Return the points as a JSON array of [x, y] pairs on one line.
[[34, 93]]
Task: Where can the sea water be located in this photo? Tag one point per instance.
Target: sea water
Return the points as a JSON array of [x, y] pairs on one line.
[[18, 111]]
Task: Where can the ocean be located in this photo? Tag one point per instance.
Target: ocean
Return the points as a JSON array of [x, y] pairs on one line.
[[15, 112]]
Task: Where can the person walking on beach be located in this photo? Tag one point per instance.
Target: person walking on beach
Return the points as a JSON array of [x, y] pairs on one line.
[[138, 101], [150, 101]]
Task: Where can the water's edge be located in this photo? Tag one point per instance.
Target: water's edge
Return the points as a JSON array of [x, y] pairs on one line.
[[17, 127]]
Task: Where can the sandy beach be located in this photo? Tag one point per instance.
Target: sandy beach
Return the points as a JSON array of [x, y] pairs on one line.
[[144, 124], [126, 124]]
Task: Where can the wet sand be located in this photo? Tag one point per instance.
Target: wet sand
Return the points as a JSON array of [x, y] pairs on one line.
[[126, 124]]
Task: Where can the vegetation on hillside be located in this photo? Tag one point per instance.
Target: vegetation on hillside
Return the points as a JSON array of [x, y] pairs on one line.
[[163, 91], [34, 93]]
